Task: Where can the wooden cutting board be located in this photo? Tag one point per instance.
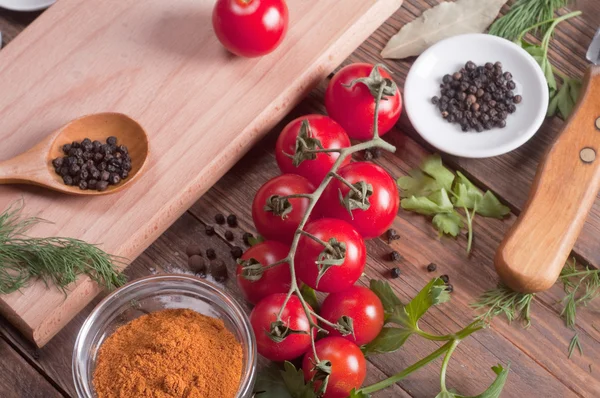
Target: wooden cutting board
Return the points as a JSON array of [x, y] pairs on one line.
[[159, 62]]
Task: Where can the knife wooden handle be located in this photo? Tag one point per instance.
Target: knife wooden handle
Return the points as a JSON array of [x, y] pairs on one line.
[[537, 246]]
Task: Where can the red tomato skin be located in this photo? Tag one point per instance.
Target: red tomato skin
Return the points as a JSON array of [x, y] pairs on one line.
[[348, 366], [323, 128], [362, 305], [384, 201], [251, 28], [293, 316], [337, 278], [273, 280], [272, 226], [354, 108]]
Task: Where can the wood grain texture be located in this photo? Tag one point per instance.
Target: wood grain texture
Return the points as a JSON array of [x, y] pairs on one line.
[[159, 63], [19, 379]]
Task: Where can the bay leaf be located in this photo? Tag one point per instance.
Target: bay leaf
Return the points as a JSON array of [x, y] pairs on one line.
[[440, 22]]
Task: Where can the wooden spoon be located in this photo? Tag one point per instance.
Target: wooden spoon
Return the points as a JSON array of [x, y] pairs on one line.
[[34, 167]]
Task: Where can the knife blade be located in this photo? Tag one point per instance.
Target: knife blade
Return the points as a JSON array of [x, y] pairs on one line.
[[593, 54]]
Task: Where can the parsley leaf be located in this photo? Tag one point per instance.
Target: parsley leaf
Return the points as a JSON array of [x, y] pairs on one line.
[[273, 382], [358, 394], [433, 190], [495, 389], [388, 340], [384, 291], [433, 293]]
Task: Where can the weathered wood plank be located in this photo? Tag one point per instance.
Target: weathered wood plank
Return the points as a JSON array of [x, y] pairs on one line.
[[19, 379]]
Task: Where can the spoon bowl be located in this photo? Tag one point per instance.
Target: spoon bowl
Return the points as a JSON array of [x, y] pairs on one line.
[[34, 167]]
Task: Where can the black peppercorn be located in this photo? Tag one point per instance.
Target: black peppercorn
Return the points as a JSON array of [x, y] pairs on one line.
[[431, 267], [517, 99], [104, 175], [470, 66], [246, 237], [449, 288], [435, 100], [83, 185], [102, 185], [229, 235], [232, 220], [220, 218], [210, 230], [218, 270], [111, 140], [193, 250], [395, 272], [57, 163], [114, 179], [392, 235], [197, 265], [236, 252], [211, 254], [457, 76], [68, 180], [395, 256], [92, 184], [447, 79], [445, 278]]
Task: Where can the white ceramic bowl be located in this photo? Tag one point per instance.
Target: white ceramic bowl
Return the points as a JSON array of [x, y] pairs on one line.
[[26, 5], [449, 55]]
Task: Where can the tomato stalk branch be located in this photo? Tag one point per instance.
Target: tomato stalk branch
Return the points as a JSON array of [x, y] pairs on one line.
[[346, 182], [376, 142]]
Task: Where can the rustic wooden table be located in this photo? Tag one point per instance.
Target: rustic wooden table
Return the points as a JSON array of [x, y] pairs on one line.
[[540, 367]]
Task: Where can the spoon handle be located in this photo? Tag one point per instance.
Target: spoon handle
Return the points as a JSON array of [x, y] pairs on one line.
[[537, 246]]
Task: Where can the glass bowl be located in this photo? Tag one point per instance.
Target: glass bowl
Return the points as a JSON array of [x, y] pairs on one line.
[[155, 293]]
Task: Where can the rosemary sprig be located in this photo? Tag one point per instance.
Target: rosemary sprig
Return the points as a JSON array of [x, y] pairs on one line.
[[581, 287], [55, 260], [525, 13]]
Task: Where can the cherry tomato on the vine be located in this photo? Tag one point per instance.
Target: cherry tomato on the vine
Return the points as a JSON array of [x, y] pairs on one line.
[[250, 28], [278, 219], [360, 304], [354, 107], [293, 318], [383, 202], [344, 244], [348, 366], [311, 127], [273, 280]]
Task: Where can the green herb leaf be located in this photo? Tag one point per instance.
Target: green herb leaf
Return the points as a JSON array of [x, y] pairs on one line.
[[445, 394], [448, 223], [270, 383], [575, 343], [310, 296], [433, 294], [388, 298], [495, 389], [422, 205], [432, 165], [388, 340], [490, 206], [358, 394], [294, 381], [417, 183], [524, 14]]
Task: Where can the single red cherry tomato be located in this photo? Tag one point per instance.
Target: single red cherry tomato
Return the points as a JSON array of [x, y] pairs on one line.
[[337, 277], [384, 200], [273, 280], [277, 219], [360, 304], [348, 366], [293, 317], [354, 107], [322, 128], [250, 28]]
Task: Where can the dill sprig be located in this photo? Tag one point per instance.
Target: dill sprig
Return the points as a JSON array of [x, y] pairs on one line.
[[581, 287], [55, 260], [526, 13], [504, 301]]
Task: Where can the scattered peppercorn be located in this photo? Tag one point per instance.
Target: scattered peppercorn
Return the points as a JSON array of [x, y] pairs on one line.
[[193, 250], [372, 153], [477, 97], [431, 267], [395, 272], [392, 235], [220, 219], [246, 237], [210, 230], [395, 256], [197, 265], [445, 278], [218, 270], [232, 220], [236, 252], [211, 254], [85, 163], [449, 288], [229, 235]]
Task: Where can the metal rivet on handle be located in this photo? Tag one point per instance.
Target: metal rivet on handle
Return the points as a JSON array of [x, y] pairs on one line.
[[598, 123], [587, 155]]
